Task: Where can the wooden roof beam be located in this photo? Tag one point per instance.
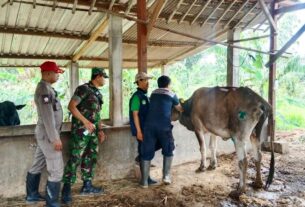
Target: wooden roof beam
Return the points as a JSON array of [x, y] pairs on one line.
[[188, 10], [54, 5], [286, 46], [267, 14], [130, 4], [236, 13], [111, 4], [157, 10], [74, 6], [200, 12], [92, 39], [91, 6], [211, 14], [224, 13], [246, 14], [292, 8], [60, 57], [173, 13]]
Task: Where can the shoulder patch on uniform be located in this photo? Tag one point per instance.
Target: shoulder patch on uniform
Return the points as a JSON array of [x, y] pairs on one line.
[[143, 102], [46, 99]]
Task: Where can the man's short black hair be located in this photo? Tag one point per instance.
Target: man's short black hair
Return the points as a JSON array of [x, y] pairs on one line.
[[163, 81]]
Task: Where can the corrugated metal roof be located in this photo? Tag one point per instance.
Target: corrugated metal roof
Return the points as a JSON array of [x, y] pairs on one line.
[[45, 18]]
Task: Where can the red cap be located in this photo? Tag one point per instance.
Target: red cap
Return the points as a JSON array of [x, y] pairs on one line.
[[50, 66]]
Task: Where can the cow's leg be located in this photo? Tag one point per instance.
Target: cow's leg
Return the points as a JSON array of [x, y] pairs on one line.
[[200, 136], [258, 183], [240, 147], [213, 148]]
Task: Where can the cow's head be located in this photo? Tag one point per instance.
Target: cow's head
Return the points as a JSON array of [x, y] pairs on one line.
[[8, 113]]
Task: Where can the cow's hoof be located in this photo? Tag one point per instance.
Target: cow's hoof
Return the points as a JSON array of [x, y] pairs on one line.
[[257, 185], [235, 194], [211, 167], [200, 169]]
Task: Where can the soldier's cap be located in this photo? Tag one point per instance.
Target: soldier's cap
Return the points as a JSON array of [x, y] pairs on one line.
[[99, 71], [50, 66], [142, 76]]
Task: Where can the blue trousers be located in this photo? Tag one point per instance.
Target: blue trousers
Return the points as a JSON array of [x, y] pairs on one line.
[[154, 136]]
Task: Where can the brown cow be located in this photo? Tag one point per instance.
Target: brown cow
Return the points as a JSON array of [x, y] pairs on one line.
[[229, 112]]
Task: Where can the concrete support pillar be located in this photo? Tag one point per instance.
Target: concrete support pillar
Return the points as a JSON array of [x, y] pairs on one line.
[[233, 59], [73, 77], [115, 70], [164, 70]]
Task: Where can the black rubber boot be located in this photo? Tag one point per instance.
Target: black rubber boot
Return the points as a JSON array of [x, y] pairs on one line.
[[32, 186], [66, 197], [88, 188], [52, 194], [150, 181], [145, 166], [167, 163]]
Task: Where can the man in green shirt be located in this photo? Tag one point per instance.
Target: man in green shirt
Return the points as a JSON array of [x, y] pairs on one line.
[[138, 108]]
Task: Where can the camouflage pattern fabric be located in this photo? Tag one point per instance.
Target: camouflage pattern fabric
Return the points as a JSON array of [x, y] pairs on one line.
[[84, 148], [83, 152]]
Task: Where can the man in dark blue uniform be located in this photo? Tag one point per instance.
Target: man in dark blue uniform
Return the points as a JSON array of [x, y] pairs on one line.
[[138, 108], [158, 129]]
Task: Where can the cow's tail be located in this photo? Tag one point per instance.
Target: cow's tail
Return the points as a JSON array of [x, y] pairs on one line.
[[272, 161]]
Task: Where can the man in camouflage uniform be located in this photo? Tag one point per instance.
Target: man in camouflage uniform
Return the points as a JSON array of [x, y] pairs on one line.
[[85, 106]]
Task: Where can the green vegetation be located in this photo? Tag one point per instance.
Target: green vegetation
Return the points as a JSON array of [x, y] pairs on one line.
[[207, 68]]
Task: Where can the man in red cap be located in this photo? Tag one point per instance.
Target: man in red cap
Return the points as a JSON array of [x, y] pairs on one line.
[[48, 153]]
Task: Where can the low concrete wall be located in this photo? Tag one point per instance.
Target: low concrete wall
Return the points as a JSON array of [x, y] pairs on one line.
[[115, 160]]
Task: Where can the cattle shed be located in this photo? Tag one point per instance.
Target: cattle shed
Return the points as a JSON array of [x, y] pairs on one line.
[[122, 34]]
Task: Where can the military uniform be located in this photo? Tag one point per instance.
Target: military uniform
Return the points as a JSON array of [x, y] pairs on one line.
[[83, 146]]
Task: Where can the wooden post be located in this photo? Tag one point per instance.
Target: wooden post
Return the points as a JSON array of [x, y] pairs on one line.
[[272, 70], [73, 77], [142, 36], [115, 70], [233, 58]]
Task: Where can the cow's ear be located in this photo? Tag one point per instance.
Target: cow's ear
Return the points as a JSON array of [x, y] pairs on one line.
[[18, 107]]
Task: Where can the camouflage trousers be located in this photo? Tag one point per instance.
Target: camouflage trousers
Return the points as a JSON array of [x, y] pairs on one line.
[[83, 152]]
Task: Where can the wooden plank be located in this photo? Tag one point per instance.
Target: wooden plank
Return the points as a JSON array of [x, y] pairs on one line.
[[292, 8], [74, 6], [34, 4], [211, 14], [142, 36], [92, 39], [267, 14], [130, 4], [224, 13], [236, 13], [286, 46], [63, 35], [210, 41], [188, 10], [54, 5], [175, 10], [232, 59], [251, 38], [157, 10], [111, 4], [200, 12], [92, 6]]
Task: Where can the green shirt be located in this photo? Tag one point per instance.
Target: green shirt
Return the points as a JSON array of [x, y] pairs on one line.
[[135, 103]]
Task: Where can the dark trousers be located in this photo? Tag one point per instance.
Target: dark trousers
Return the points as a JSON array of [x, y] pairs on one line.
[[156, 136]]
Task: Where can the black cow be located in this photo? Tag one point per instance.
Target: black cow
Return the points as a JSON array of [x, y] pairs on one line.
[[8, 114]]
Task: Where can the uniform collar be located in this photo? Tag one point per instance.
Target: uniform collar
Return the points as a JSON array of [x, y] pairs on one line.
[[90, 84], [45, 82], [139, 89]]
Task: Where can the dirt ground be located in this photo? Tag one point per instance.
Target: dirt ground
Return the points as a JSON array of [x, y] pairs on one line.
[[210, 188]]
